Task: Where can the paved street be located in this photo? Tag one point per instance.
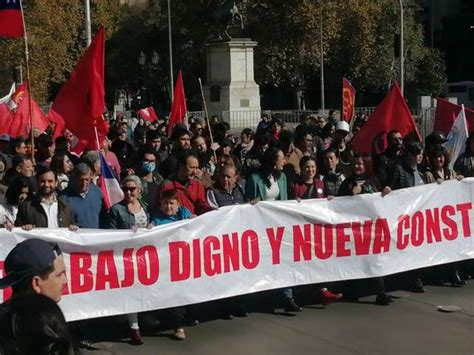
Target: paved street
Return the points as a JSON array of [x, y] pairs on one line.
[[411, 325]]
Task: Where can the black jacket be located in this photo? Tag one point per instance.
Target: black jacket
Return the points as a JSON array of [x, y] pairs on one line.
[[31, 212], [403, 176]]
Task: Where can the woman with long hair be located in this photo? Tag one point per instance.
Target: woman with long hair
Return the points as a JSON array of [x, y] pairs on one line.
[[17, 192], [270, 184], [62, 167], [309, 185]]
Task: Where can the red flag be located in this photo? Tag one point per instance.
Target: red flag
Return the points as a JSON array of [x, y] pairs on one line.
[[58, 123], [80, 102], [17, 122], [446, 113], [348, 100], [178, 107], [148, 114], [11, 19], [391, 114]]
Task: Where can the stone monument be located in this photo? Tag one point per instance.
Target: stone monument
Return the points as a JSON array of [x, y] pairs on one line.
[[230, 90]]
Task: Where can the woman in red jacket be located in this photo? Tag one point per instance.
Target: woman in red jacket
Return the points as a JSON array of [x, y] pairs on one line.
[[309, 185]]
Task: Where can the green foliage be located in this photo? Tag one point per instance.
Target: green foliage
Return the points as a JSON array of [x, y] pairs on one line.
[[359, 37]]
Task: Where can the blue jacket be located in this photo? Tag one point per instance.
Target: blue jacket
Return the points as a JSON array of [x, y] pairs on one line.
[[161, 218], [256, 188]]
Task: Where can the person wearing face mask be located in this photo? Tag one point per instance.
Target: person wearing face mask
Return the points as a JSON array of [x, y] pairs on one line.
[[149, 175]]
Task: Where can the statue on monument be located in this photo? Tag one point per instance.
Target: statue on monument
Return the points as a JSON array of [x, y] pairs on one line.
[[226, 17]]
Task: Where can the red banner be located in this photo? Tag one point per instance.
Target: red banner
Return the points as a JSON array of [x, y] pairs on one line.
[[348, 100]]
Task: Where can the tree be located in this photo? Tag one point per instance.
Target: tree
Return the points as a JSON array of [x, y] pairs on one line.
[[53, 42]]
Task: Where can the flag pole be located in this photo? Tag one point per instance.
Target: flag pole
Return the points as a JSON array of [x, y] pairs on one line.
[[28, 87], [207, 116]]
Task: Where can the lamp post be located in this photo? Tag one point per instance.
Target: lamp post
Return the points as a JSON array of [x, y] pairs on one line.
[[88, 22], [402, 50], [171, 50], [321, 53], [148, 72]]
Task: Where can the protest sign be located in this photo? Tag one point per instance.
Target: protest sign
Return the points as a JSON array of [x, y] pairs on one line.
[[250, 248]]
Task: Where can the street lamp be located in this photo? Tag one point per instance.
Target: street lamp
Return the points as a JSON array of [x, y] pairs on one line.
[[87, 19], [402, 54], [321, 53], [148, 70], [171, 50]]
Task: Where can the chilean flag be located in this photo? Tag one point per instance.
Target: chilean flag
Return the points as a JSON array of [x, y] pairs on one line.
[[111, 190], [11, 19]]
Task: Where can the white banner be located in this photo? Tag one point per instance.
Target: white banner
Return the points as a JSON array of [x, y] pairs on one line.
[[244, 249]]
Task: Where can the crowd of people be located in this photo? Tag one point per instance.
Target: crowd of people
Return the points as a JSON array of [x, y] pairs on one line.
[[199, 168]]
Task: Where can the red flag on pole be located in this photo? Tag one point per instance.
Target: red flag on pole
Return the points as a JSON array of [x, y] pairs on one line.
[[446, 113], [80, 101], [348, 100], [16, 120], [148, 114], [178, 107], [11, 19], [391, 114]]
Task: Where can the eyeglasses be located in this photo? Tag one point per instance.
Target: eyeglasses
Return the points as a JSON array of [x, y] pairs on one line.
[[149, 161], [131, 188]]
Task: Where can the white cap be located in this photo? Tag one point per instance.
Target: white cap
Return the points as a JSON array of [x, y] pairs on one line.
[[343, 126]]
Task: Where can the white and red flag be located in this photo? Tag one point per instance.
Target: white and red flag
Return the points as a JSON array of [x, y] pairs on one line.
[[148, 114]]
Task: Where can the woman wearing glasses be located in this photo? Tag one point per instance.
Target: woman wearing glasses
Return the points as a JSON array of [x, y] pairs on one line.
[[130, 213]]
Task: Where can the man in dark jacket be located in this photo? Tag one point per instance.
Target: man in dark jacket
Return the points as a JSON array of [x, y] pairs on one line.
[[406, 174], [385, 162], [45, 210], [32, 267]]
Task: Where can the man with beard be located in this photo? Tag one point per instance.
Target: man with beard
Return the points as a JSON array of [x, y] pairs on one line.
[[385, 163], [181, 138], [45, 210], [190, 190]]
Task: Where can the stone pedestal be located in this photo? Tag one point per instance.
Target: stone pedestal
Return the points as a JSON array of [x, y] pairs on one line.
[[231, 91]]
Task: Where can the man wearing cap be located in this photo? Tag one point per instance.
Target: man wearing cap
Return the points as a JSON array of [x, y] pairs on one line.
[[339, 143], [433, 142], [33, 266]]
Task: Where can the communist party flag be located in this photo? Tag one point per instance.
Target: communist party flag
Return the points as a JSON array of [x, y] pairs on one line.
[[348, 100], [391, 114], [11, 19], [178, 107], [15, 115], [80, 102]]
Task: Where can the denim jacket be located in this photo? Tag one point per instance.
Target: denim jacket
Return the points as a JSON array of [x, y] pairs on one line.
[[121, 218]]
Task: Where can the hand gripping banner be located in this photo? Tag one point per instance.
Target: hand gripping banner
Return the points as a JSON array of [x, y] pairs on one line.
[[249, 248]]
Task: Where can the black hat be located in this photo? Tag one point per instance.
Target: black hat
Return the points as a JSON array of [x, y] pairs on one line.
[[435, 138], [27, 259]]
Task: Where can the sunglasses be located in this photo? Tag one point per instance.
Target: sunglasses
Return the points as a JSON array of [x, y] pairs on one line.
[[131, 189]]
